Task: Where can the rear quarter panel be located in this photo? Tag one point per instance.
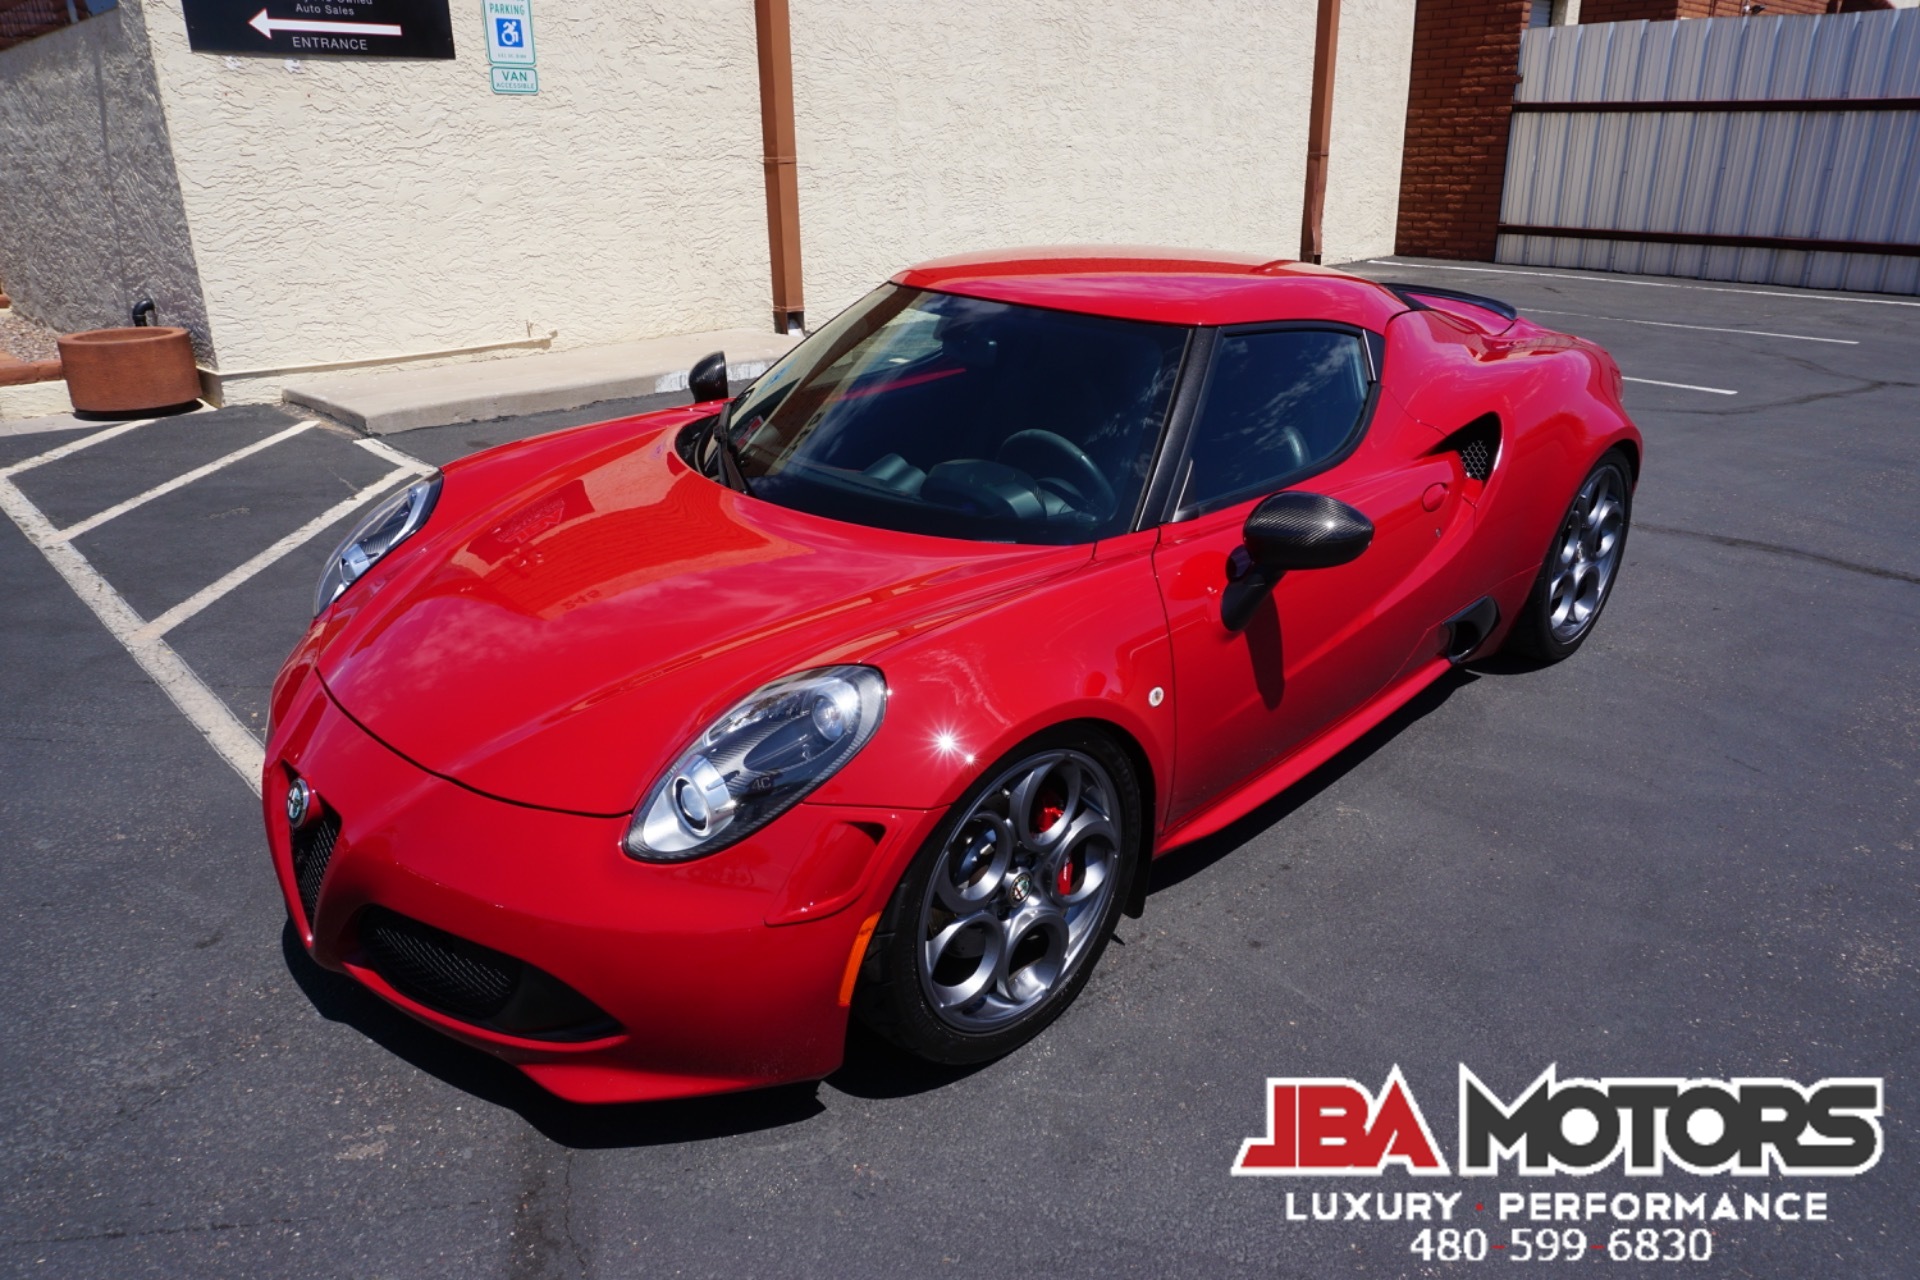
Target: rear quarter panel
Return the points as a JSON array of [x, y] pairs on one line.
[[1557, 399]]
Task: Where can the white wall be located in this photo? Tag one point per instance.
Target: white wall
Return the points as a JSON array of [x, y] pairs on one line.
[[350, 209], [1369, 126], [933, 129], [359, 209]]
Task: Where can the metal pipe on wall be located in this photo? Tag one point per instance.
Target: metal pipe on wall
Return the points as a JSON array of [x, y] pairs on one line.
[[1326, 46], [773, 36]]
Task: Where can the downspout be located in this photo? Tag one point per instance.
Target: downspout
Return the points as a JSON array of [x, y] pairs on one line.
[[771, 30], [1326, 44]]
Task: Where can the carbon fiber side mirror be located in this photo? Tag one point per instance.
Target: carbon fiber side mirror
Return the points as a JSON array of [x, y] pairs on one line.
[[708, 379], [1304, 531], [1289, 531]]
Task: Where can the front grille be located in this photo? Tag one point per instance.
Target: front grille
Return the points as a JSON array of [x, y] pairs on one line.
[[312, 851], [437, 969], [474, 983]]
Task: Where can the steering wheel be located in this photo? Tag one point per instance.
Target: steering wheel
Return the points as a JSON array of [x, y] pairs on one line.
[[1045, 455]]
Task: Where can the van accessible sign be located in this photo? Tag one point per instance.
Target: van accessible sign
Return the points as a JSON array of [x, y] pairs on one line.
[[321, 28], [510, 45]]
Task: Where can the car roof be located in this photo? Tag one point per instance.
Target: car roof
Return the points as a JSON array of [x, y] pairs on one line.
[[1171, 286]]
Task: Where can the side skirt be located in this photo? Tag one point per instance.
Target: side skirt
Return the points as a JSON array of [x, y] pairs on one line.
[[1265, 786]]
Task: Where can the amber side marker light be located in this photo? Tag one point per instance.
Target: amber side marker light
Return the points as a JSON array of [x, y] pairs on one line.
[[855, 956]]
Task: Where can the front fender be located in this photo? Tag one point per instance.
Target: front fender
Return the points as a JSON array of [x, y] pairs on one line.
[[1090, 646]]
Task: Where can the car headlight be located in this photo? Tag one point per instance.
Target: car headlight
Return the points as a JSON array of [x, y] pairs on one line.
[[386, 527], [757, 761]]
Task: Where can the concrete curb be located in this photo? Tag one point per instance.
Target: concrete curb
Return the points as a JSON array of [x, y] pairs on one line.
[[389, 401], [29, 400]]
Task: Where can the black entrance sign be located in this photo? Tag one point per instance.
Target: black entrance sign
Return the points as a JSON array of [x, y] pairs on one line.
[[321, 28]]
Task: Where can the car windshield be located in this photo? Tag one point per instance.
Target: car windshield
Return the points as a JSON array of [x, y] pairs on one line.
[[962, 418]]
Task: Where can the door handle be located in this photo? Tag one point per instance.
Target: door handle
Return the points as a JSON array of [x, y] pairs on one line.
[[1433, 497]]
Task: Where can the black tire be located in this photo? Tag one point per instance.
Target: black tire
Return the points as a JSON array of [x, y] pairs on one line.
[[893, 996], [1543, 631]]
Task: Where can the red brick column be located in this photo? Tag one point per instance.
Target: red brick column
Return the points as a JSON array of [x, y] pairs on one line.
[[1466, 55]]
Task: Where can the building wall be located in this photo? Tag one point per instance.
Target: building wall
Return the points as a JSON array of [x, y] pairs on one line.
[[1371, 80], [926, 130], [90, 212], [353, 209], [1458, 107]]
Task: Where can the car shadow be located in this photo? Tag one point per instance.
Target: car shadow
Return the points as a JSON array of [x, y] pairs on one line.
[[1189, 861], [876, 1070]]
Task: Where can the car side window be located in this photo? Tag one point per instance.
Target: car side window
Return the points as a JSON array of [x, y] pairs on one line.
[[1277, 404]]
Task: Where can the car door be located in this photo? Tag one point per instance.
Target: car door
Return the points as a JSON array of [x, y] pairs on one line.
[[1295, 407]]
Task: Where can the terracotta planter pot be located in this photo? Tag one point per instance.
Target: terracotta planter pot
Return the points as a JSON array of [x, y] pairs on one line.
[[129, 371]]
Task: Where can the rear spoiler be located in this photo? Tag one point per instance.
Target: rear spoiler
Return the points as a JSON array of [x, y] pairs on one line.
[[1411, 294]]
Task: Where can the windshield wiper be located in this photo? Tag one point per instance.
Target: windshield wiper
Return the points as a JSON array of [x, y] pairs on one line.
[[731, 473]]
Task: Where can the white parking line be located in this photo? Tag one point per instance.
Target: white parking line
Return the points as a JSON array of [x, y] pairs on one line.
[[180, 481], [1682, 386], [202, 707], [68, 450], [234, 577], [1600, 277], [381, 449], [1710, 328]]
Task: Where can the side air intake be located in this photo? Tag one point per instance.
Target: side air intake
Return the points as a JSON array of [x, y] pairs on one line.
[[1478, 444]]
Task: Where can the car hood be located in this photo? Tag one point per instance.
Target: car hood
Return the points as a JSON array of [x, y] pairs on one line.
[[558, 640]]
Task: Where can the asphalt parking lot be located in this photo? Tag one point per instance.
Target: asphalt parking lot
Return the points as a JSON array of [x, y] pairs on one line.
[[1687, 852]]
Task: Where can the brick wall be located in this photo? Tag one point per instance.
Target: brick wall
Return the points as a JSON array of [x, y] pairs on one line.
[[22, 20], [1459, 102]]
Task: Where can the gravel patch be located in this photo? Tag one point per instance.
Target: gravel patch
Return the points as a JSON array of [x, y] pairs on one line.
[[25, 340]]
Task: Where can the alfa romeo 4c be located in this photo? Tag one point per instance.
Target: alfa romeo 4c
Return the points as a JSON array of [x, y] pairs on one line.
[[645, 754]]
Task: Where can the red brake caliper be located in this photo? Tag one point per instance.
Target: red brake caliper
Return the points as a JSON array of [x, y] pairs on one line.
[[1050, 811]]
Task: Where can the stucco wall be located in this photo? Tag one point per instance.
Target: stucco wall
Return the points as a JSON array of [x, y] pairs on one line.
[[355, 209], [1369, 126], [934, 129], [361, 209], [90, 212]]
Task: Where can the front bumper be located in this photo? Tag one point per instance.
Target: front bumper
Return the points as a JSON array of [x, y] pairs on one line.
[[724, 973]]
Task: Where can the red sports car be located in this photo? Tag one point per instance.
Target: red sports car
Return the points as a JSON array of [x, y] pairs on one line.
[[643, 754]]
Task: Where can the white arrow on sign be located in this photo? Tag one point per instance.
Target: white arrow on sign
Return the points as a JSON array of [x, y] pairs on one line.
[[267, 26]]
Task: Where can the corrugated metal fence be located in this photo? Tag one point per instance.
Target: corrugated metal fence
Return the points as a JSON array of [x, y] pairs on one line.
[[1769, 150]]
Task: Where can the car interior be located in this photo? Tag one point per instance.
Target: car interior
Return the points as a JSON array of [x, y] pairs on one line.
[[1014, 421]]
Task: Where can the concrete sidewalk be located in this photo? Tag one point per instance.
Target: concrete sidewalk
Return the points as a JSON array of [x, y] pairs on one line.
[[388, 400]]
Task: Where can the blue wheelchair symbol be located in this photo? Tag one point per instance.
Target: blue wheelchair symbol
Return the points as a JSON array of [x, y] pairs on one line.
[[509, 34]]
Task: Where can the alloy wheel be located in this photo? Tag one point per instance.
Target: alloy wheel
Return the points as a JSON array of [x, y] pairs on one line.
[[1018, 894], [1586, 555]]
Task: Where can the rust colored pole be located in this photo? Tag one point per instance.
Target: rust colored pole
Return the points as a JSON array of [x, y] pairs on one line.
[[1326, 46], [772, 34]]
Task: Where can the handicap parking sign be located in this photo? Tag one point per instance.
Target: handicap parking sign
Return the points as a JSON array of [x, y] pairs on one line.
[[509, 32]]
